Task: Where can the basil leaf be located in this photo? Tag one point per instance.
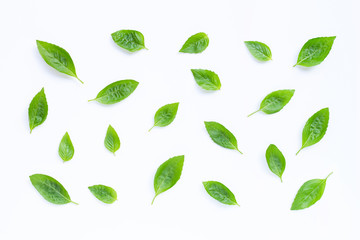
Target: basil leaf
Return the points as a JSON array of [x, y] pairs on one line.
[[206, 79], [259, 50], [112, 140], [315, 51], [275, 101], [220, 192], [57, 58], [197, 43], [38, 110], [165, 115], [315, 128], [50, 189], [275, 160], [66, 148], [309, 193], [221, 136], [116, 91], [104, 193], [167, 175], [130, 40]]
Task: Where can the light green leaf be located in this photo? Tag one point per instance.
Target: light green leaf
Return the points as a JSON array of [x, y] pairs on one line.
[[104, 193], [38, 110], [112, 140], [220, 192], [206, 79], [116, 91], [165, 115], [275, 160], [130, 40], [197, 43], [66, 148], [259, 50]]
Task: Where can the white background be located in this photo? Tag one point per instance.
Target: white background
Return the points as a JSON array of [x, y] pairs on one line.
[[83, 28]]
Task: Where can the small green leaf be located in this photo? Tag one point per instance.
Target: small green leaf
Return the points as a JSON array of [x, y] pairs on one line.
[[275, 101], [220, 192], [206, 79], [38, 110], [112, 140], [315, 51], [309, 193], [197, 43], [57, 58], [116, 91], [130, 40], [104, 193], [50, 189], [259, 50], [221, 136], [275, 160], [167, 175], [315, 128], [66, 148], [165, 115]]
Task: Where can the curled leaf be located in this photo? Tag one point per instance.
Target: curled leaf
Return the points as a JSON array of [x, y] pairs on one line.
[[66, 148], [112, 140], [116, 91], [130, 40], [197, 43], [275, 160], [165, 115], [38, 110]]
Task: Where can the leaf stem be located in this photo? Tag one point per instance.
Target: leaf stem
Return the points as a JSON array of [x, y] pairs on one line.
[[281, 179], [79, 80], [295, 65], [238, 150], [151, 128], [254, 112], [329, 175], [153, 199], [74, 203], [299, 151], [92, 100]]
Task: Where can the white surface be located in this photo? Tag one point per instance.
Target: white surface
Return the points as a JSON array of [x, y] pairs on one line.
[[185, 212]]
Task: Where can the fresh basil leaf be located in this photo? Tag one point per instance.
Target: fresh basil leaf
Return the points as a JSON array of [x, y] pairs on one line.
[[57, 58], [275, 160], [221, 136], [315, 128], [259, 50], [315, 51], [206, 79], [275, 101], [167, 175], [38, 110], [309, 193], [197, 43], [66, 148], [165, 115], [104, 193], [220, 192], [112, 140], [130, 40], [116, 91], [50, 189]]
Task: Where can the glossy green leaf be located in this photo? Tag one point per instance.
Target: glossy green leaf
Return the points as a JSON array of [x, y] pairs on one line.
[[309, 193], [38, 110], [50, 189], [220, 192], [221, 136], [57, 58], [66, 148], [167, 175], [165, 115], [315, 128], [197, 43], [259, 50], [116, 91], [275, 101], [275, 160], [315, 51], [104, 193], [112, 140], [206, 79], [130, 40]]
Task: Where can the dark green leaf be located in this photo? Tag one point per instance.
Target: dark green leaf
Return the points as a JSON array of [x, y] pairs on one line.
[[66, 148], [112, 140], [165, 115], [275, 160], [38, 110], [259, 50], [130, 40], [206, 79], [220, 192], [104, 193], [197, 43]]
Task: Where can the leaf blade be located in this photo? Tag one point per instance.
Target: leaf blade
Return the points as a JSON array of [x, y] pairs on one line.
[[38, 110], [165, 115], [206, 79], [259, 50], [130, 40], [112, 140], [116, 91], [104, 193], [66, 148], [221, 135], [275, 160], [220, 192], [197, 43]]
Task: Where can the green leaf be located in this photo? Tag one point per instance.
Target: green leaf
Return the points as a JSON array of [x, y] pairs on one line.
[[57, 58], [112, 140], [220, 192], [116, 91], [206, 79], [38, 110], [165, 115], [275, 160], [66, 148], [167, 175], [315, 51], [315, 128], [275, 101], [259, 50], [309, 193], [130, 40], [50, 189], [104, 193], [221, 136], [197, 43]]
